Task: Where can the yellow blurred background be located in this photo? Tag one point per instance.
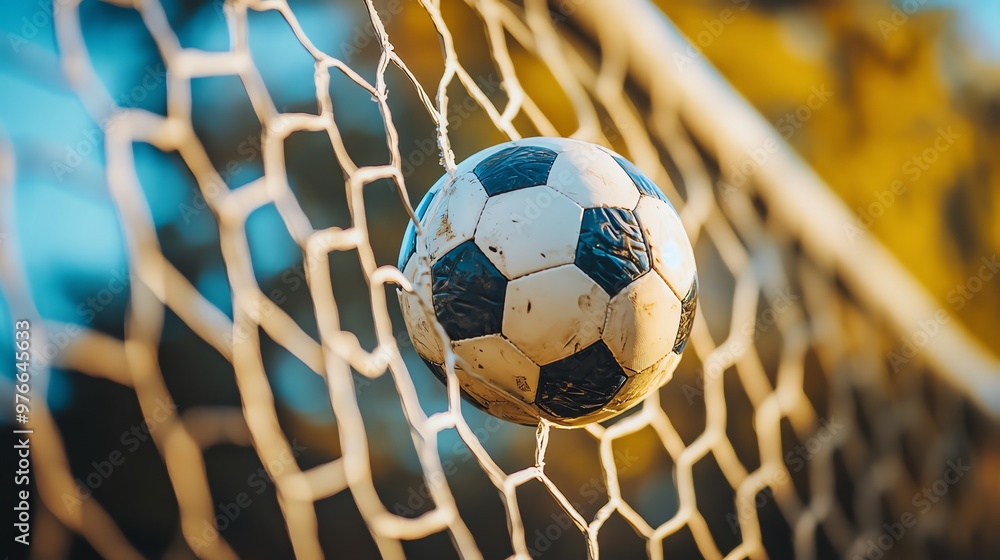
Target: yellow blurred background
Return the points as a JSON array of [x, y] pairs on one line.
[[897, 107]]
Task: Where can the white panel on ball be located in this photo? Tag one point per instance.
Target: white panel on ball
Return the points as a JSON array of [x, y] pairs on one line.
[[454, 214], [592, 178], [495, 359], [425, 339], [642, 323], [497, 402], [669, 246], [529, 230], [434, 191], [554, 313]]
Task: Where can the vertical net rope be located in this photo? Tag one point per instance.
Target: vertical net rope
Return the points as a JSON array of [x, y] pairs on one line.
[[788, 331]]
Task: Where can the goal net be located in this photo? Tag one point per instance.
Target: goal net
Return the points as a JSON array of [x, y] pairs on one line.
[[825, 406]]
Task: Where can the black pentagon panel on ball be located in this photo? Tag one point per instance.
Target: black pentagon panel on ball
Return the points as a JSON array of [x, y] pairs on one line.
[[688, 306], [517, 167], [468, 292], [410, 235], [611, 249], [645, 185], [581, 383]]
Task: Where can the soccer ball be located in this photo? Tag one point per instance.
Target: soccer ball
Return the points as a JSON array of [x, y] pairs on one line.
[[561, 274]]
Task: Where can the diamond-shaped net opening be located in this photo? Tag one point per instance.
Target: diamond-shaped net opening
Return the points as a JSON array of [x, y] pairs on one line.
[[805, 418]]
